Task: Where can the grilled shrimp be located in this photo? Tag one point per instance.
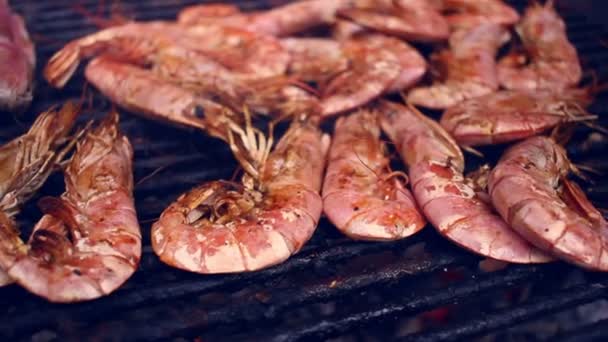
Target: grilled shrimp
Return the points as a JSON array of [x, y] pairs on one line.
[[280, 21], [529, 189], [27, 161], [414, 20], [88, 242], [140, 91], [246, 54], [17, 60], [510, 115], [436, 167], [222, 227], [550, 60], [361, 196], [378, 64], [468, 13], [181, 89], [470, 65]]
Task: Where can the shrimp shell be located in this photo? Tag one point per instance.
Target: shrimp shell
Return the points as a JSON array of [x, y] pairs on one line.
[[140, 91], [529, 189], [315, 59], [471, 68], [17, 61], [553, 61], [474, 12], [360, 196], [88, 242], [281, 21], [507, 115], [28, 160], [264, 228], [200, 74], [436, 169], [412, 20], [379, 64]]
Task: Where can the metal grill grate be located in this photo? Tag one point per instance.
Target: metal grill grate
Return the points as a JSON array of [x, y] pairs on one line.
[[334, 287]]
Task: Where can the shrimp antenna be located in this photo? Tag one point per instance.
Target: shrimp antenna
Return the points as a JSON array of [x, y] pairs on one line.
[[585, 118], [387, 177], [589, 169], [472, 151], [436, 128]]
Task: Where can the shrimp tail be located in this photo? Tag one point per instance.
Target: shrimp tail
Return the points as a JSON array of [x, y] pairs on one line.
[[62, 65]]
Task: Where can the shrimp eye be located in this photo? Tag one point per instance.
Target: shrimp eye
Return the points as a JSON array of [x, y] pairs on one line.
[[199, 112]]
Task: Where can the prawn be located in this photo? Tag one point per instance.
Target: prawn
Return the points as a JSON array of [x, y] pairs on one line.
[[470, 67], [176, 90], [361, 196], [550, 61], [468, 13], [88, 242], [245, 54], [281, 21], [17, 60], [413, 20], [436, 167], [510, 115], [221, 227], [379, 64], [28, 160], [530, 190], [140, 91]]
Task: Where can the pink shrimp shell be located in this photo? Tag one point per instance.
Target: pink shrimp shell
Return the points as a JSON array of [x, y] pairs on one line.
[[452, 207], [523, 190]]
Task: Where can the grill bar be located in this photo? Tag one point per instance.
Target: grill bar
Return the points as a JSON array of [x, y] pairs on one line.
[[253, 309], [134, 298], [592, 332], [159, 302], [552, 303], [416, 303]]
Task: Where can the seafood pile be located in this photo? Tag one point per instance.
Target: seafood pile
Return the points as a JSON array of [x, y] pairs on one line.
[[316, 64]]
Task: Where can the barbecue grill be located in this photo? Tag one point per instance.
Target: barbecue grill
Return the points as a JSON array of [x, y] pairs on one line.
[[419, 289]]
